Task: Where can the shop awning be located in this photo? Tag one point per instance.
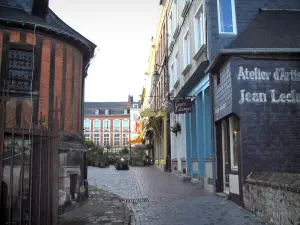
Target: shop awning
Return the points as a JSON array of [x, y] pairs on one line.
[[148, 113], [138, 140]]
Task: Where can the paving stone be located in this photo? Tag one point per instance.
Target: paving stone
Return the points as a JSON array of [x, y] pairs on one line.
[[171, 201]]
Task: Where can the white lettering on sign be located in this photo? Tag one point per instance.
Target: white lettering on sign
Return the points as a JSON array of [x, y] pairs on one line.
[[257, 74]]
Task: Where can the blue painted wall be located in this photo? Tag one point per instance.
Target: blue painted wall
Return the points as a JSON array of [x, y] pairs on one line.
[[199, 123]]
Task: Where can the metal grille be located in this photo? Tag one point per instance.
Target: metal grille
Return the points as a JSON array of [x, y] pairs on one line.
[[28, 170], [136, 200], [20, 70]]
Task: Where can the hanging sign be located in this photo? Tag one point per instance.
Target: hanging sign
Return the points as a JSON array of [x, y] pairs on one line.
[[182, 106]]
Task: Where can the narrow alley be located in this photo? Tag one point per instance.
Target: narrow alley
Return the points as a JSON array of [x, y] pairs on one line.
[[171, 201]]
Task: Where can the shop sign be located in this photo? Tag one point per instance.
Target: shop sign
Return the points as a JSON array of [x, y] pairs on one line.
[[278, 75], [182, 106]]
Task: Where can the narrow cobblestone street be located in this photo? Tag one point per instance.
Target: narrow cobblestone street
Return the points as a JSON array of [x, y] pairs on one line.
[[163, 199]]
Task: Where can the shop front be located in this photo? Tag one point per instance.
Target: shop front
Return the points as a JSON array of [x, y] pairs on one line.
[[256, 115]]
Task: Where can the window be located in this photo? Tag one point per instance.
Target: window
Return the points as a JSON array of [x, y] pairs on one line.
[[106, 111], [97, 125], [87, 125], [97, 111], [106, 140], [125, 111], [135, 106], [125, 125], [170, 29], [125, 139], [20, 66], [234, 129], [176, 71], [106, 125], [135, 117], [117, 125], [87, 137], [172, 74], [226, 16], [199, 29], [116, 139], [186, 50], [97, 139]]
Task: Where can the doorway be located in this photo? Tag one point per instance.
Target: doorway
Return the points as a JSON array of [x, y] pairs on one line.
[[225, 155]]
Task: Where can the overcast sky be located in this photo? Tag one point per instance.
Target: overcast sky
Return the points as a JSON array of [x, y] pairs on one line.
[[122, 30]]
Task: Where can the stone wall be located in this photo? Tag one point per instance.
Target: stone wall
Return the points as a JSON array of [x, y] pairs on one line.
[[274, 197]]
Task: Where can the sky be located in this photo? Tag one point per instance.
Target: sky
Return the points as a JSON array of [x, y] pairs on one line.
[[122, 31]]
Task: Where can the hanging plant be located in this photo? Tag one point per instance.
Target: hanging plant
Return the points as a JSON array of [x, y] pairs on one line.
[[176, 128], [149, 134]]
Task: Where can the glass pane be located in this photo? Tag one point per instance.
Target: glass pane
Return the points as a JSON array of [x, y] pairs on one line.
[[226, 21]]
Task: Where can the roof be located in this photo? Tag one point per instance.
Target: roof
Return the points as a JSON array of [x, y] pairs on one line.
[[114, 108], [271, 29], [51, 23], [270, 32]]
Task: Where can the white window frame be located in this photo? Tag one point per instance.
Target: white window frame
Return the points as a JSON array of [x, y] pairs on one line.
[[186, 53], [135, 106], [97, 112], [116, 138], [98, 138], [123, 125], [125, 136], [87, 137], [199, 28], [234, 28], [90, 122], [94, 125], [104, 128], [170, 29], [233, 167], [106, 111], [176, 67], [171, 72], [119, 128], [125, 111], [104, 142]]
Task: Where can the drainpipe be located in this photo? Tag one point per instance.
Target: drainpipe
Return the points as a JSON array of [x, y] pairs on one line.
[[211, 85]]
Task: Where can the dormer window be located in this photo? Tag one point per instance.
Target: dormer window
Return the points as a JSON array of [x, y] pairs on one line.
[[106, 111], [125, 111], [97, 111], [135, 106]]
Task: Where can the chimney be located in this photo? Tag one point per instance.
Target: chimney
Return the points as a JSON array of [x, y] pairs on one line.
[[130, 101]]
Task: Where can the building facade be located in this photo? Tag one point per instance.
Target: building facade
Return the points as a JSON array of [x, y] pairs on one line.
[[111, 124], [156, 113], [43, 66], [191, 146], [254, 75]]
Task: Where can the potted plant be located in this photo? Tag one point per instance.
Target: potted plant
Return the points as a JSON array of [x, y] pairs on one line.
[[176, 128]]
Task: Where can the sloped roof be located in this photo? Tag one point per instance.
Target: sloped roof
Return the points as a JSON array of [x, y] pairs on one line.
[[51, 23], [115, 108], [271, 29], [270, 32]]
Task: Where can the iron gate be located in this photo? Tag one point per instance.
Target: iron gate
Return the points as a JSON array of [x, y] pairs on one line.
[[29, 168]]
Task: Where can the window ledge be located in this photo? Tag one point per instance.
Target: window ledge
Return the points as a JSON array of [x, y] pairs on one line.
[[199, 52], [176, 84], [186, 69], [186, 9]]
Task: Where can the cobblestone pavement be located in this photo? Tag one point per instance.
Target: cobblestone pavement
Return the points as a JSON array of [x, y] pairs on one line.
[[171, 202], [102, 207]]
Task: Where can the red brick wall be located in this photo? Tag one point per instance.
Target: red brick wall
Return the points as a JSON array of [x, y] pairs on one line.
[[44, 104]]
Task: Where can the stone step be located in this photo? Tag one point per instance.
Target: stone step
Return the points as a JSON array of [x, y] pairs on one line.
[[198, 182]]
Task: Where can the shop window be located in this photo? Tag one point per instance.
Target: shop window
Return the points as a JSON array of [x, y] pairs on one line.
[[234, 129]]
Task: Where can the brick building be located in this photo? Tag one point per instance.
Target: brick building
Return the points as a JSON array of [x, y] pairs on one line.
[[110, 123], [43, 66]]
